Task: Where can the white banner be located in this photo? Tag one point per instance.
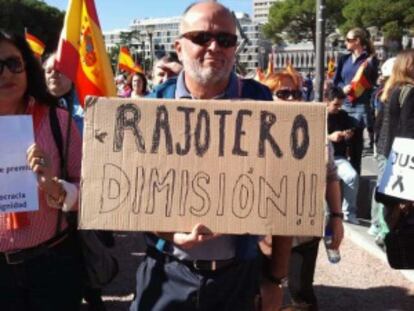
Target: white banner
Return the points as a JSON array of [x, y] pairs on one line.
[[398, 178], [18, 184]]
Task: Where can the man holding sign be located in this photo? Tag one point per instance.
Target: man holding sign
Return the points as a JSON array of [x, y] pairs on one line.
[[201, 269]]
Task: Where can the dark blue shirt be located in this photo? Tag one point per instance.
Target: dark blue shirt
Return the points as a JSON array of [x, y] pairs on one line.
[[347, 69], [244, 246]]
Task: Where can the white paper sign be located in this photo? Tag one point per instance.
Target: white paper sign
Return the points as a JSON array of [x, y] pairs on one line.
[[18, 184], [398, 178]]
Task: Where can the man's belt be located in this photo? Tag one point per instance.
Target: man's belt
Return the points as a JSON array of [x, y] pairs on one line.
[[199, 265], [22, 255]]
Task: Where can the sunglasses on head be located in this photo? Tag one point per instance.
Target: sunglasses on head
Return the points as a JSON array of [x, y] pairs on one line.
[[286, 94], [14, 64], [223, 39]]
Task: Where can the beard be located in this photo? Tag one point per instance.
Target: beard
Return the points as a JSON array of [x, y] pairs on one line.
[[207, 75]]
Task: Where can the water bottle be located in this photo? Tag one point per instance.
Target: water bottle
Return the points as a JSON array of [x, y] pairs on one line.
[[333, 254]]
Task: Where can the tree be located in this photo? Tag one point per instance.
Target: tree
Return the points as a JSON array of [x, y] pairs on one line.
[[295, 20], [40, 19], [393, 18], [113, 54]]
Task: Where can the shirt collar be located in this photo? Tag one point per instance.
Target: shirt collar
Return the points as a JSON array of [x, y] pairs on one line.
[[232, 90]]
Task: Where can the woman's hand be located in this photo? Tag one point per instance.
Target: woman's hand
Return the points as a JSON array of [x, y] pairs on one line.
[[40, 163], [347, 89]]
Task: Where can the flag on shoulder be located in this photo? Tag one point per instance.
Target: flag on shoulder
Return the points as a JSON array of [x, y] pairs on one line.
[[359, 83], [81, 54], [36, 45], [126, 63]]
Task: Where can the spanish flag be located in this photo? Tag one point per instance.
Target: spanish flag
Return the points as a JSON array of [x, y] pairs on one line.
[[359, 83], [81, 54], [125, 61], [331, 68], [37, 46]]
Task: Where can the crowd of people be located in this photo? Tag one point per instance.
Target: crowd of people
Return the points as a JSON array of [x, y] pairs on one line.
[[41, 260]]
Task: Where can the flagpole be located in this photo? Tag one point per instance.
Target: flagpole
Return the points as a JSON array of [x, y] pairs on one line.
[[320, 49], [117, 63]]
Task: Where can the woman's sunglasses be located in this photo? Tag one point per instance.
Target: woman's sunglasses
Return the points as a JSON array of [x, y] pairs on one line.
[[350, 39], [223, 39], [286, 94], [14, 64]]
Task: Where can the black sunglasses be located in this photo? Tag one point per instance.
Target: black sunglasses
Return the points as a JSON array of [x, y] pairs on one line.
[[350, 39], [14, 64], [223, 39], [286, 94]]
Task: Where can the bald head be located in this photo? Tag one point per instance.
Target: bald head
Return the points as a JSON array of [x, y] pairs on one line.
[[205, 12]]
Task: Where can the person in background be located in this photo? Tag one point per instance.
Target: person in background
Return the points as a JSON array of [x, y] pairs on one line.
[[285, 85], [123, 85], [167, 67], [308, 88], [397, 118], [201, 270], [40, 258], [139, 85], [378, 227], [360, 59], [63, 89], [304, 253], [340, 131]]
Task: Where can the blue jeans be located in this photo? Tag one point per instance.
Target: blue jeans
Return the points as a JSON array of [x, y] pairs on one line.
[[173, 286], [350, 180], [359, 114], [377, 208]]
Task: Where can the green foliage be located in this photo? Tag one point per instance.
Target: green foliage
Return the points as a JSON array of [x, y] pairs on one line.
[[394, 18], [40, 19], [113, 54], [295, 20]]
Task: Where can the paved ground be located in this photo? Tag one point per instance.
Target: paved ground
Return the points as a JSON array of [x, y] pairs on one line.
[[362, 281]]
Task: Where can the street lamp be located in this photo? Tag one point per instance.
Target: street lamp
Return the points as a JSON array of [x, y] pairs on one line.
[[149, 31]]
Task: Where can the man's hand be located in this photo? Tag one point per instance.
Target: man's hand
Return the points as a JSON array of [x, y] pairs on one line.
[[337, 228], [347, 134], [171, 69], [199, 234], [336, 136]]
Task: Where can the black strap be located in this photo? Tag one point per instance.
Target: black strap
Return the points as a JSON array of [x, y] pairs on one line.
[[58, 138], [62, 150]]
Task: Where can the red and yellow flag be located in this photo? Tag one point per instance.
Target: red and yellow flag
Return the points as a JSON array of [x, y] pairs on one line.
[[37, 46], [81, 54], [331, 68], [359, 83], [270, 66], [125, 61]]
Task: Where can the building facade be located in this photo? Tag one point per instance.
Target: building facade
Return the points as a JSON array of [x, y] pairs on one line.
[[261, 10]]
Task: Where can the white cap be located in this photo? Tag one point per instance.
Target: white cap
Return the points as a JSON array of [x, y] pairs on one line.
[[386, 68]]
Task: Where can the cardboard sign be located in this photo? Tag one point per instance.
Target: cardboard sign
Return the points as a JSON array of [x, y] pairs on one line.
[[398, 177], [18, 184], [234, 166]]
